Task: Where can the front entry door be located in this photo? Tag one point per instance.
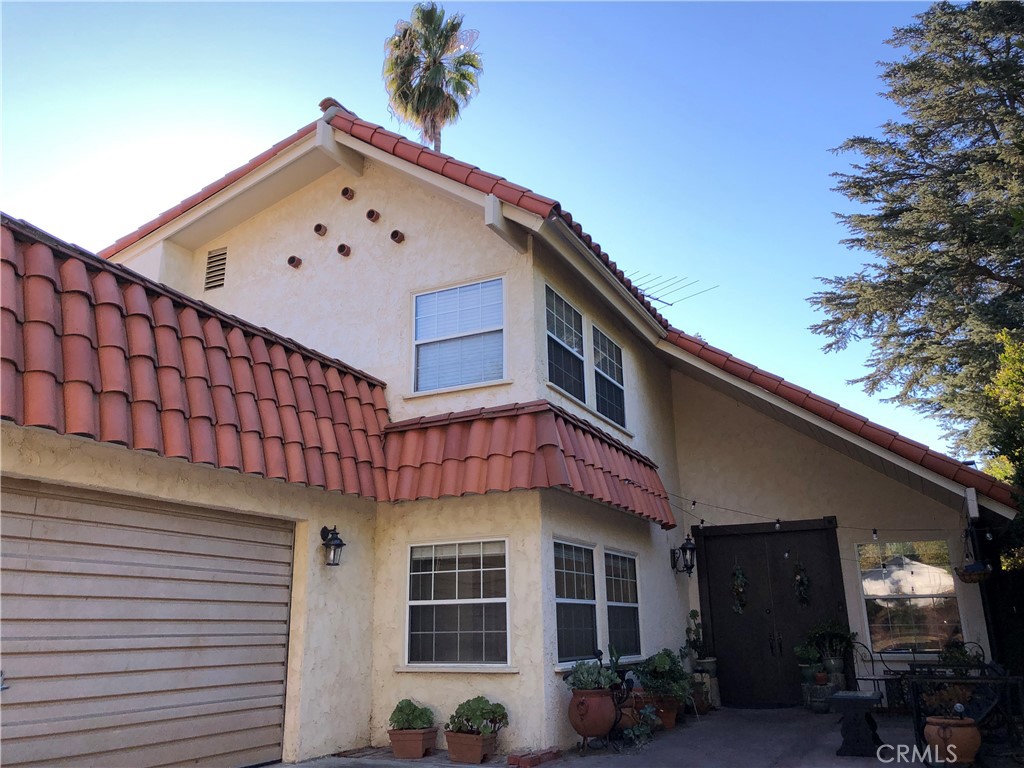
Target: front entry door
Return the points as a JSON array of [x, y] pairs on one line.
[[753, 632]]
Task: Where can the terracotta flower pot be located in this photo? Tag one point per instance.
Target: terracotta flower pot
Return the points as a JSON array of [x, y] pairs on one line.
[[592, 713], [413, 742], [470, 748], [668, 710], [821, 678], [953, 739]]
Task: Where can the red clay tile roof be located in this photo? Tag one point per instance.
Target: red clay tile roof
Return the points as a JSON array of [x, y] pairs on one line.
[[90, 348], [520, 446], [875, 433], [464, 173]]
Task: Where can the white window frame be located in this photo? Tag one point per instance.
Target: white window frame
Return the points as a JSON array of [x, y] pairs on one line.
[[609, 603], [594, 330], [485, 600], [416, 343], [583, 338], [908, 652]]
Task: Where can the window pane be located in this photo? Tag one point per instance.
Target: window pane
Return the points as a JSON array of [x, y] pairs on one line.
[[611, 399], [909, 595], [469, 585], [461, 310], [624, 629], [607, 357], [577, 631], [458, 361], [564, 322], [565, 370]]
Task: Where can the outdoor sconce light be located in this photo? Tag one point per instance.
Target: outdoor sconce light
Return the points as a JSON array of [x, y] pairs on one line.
[[685, 555], [333, 544]]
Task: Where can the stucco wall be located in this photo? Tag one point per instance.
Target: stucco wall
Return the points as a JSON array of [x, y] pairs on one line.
[[732, 456], [514, 517], [647, 384], [359, 308], [329, 649], [662, 593]]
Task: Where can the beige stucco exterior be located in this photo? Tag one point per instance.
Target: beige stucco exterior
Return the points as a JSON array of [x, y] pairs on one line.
[[343, 680], [331, 607], [736, 458]]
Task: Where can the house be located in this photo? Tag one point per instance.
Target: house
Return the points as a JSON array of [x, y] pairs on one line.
[[505, 432]]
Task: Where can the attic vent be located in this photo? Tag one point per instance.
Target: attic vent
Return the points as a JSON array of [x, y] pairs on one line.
[[216, 265]]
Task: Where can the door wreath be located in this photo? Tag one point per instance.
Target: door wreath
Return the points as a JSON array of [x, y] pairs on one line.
[[801, 584], [739, 589]]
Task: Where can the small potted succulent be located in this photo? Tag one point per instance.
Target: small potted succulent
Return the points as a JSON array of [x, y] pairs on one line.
[[412, 731], [592, 708], [472, 730]]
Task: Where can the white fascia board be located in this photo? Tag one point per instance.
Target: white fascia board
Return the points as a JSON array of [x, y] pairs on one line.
[[301, 149], [327, 143], [801, 413], [560, 236], [496, 221]]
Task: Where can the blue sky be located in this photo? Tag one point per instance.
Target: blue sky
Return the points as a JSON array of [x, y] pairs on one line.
[[690, 139]]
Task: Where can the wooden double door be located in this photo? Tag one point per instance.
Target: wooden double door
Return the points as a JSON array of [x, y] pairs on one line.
[[753, 627]]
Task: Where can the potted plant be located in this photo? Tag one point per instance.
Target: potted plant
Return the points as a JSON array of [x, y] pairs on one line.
[[808, 660], [697, 647], [951, 735], [592, 708], [663, 677], [833, 639], [472, 730], [412, 732]]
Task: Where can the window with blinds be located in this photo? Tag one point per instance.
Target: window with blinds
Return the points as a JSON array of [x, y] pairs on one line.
[[460, 336]]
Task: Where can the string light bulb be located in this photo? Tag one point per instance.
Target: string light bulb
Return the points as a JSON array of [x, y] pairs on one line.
[[874, 534], [693, 504], [778, 523], [701, 526], [785, 555]]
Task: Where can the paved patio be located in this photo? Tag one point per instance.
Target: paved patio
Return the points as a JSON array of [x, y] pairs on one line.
[[725, 738]]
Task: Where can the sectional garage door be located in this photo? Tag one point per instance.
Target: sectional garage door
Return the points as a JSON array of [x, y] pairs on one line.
[[137, 634]]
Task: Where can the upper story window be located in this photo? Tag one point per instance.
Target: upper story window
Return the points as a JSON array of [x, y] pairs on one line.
[[611, 398], [568, 361], [910, 595], [565, 346], [457, 603], [459, 336]]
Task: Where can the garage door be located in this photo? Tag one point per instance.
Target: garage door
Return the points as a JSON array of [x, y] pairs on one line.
[[136, 634]]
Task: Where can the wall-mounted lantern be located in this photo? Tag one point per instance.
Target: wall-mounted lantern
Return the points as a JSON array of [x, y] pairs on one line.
[[684, 557], [333, 544]]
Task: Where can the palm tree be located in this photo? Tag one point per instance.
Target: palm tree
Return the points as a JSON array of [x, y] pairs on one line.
[[430, 70]]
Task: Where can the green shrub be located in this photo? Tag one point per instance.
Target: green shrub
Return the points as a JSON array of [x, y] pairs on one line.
[[477, 715], [663, 675], [407, 716]]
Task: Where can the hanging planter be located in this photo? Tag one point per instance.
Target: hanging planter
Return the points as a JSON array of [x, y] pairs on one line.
[[801, 584], [739, 589], [973, 573]]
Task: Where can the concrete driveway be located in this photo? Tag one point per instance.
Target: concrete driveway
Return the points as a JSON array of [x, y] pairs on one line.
[[725, 738]]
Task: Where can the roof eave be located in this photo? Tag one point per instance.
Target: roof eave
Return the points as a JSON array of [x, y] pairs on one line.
[[953, 489]]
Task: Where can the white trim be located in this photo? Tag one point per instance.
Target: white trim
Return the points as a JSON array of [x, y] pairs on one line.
[[468, 669], [459, 388]]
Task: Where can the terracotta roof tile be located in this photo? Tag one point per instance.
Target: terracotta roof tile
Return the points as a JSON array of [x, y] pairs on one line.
[[109, 355], [520, 446], [847, 420]]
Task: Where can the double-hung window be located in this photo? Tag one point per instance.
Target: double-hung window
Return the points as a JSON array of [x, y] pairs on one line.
[[623, 604], [458, 604], [909, 594], [460, 336], [565, 345], [575, 602], [611, 400]]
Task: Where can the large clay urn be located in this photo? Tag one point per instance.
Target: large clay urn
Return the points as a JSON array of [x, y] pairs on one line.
[[592, 713], [953, 739]]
